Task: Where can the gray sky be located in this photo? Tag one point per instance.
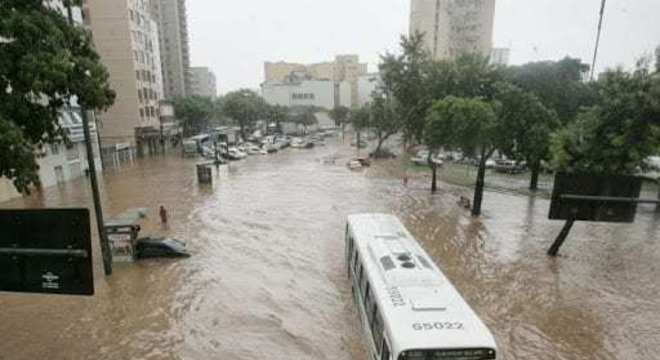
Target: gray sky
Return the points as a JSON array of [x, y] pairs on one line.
[[234, 38]]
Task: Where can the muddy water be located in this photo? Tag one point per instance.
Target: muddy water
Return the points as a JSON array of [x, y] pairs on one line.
[[266, 280]]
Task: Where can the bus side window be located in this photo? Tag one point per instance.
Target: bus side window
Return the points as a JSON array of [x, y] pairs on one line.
[[385, 354], [355, 259], [369, 306], [363, 284], [377, 327]]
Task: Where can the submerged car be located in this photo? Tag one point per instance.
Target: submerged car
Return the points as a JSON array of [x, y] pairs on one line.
[[160, 247]]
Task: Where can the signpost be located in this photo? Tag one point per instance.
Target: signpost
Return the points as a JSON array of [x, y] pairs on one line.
[[46, 251], [599, 198]]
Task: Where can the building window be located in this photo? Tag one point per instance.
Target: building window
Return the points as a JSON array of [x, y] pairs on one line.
[[141, 113], [137, 74], [132, 14]]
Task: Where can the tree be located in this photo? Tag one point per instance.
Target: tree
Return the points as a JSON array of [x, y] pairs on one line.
[[277, 114], [45, 64], [305, 116], [385, 120], [405, 78], [558, 84], [468, 124], [529, 126], [339, 114], [245, 107], [195, 113], [616, 135]]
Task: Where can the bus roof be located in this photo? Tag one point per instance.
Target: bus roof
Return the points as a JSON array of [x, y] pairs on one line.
[[420, 307]]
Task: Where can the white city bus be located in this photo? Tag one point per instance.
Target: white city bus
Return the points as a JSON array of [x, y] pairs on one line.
[[408, 308]]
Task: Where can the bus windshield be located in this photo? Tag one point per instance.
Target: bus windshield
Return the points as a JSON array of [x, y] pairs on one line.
[[449, 354]]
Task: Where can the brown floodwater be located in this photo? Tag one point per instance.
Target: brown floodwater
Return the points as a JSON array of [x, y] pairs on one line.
[[267, 279]]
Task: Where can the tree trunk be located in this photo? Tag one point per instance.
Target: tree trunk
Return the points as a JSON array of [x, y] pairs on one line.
[[381, 140], [242, 132], [657, 207], [434, 179], [357, 144], [534, 181], [479, 188]]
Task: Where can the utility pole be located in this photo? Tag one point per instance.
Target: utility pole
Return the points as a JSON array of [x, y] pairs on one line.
[[91, 164], [600, 26]]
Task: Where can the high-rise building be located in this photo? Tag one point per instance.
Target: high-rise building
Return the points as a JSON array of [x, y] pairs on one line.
[[500, 56], [202, 82], [345, 68], [453, 27], [124, 32], [170, 15]]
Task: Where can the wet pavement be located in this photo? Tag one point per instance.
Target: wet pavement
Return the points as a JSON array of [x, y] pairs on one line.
[[267, 279]]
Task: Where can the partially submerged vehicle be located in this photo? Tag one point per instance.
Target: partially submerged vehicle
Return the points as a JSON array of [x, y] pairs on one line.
[[160, 247]]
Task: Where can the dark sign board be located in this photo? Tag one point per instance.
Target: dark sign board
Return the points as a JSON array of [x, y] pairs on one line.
[[608, 198], [46, 251]]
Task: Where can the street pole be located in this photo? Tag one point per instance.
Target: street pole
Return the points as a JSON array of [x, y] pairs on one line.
[[91, 164], [600, 26]]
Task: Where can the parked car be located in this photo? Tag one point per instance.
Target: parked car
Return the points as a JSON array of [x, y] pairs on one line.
[[422, 159], [509, 167]]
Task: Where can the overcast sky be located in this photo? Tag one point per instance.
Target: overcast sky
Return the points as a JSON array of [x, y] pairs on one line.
[[234, 38]]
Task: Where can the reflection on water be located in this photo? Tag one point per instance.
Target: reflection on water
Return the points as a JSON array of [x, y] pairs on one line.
[[267, 281]]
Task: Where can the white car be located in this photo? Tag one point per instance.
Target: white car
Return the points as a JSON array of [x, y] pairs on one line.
[[237, 154], [422, 158]]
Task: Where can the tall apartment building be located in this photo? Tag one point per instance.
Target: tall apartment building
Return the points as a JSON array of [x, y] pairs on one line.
[[124, 34], [453, 27], [345, 68], [175, 52], [203, 82]]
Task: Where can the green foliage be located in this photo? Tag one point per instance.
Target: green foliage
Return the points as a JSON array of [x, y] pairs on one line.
[[195, 113], [617, 134], [361, 118], [304, 115], [468, 76], [277, 113], [405, 78], [385, 119], [468, 124], [45, 64], [245, 107], [558, 84], [339, 114], [528, 124]]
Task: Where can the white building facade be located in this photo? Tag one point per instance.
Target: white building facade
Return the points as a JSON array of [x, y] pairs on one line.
[[321, 93], [61, 162]]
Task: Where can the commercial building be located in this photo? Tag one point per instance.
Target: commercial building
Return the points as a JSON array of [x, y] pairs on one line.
[[124, 36], [60, 162], [170, 15], [202, 82], [345, 68], [453, 27], [307, 92], [500, 56], [368, 84]]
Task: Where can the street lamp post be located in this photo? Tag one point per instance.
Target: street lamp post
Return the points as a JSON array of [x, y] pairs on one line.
[[91, 164]]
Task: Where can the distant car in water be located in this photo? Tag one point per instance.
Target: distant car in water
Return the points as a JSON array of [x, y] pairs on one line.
[[160, 247]]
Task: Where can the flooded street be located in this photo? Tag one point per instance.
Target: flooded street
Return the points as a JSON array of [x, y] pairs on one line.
[[267, 277]]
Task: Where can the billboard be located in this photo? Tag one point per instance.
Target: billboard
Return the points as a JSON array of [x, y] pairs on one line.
[[46, 251]]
